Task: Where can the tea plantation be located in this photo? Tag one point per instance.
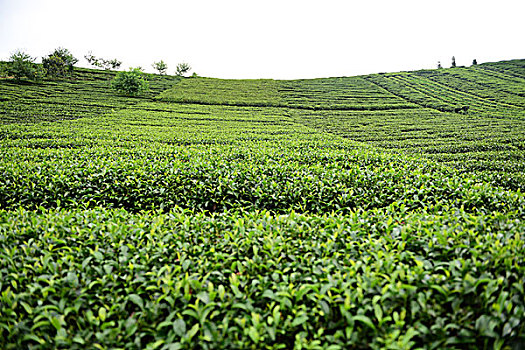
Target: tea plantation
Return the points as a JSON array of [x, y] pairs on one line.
[[382, 211]]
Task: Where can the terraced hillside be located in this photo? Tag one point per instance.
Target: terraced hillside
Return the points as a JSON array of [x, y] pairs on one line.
[[411, 112], [312, 214]]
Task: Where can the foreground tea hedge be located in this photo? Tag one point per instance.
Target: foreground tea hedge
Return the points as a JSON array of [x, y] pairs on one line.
[[181, 280]]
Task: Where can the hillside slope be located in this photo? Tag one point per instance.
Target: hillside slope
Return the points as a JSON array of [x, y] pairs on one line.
[[419, 112], [205, 217]]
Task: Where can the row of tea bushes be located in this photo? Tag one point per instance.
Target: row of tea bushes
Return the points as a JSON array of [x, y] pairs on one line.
[[180, 280]]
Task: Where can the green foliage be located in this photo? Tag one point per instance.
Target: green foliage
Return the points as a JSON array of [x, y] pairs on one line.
[[318, 94], [217, 181], [161, 67], [108, 278], [87, 96], [99, 62], [91, 59], [182, 69], [474, 62], [60, 63], [224, 92], [253, 217], [132, 82], [67, 57], [3, 70], [21, 66], [55, 66], [111, 64]]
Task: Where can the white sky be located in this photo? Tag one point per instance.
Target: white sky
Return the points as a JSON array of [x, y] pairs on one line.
[[280, 39]]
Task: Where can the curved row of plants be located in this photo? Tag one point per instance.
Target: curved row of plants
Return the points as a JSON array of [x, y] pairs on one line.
[[304, 178]]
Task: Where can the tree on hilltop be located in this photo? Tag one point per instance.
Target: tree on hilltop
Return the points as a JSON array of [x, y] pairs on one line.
[[453, 62], [160, 66], [21, 65], [182, 69], [475, 62], [439, 65], [59, 63], [103, 63]]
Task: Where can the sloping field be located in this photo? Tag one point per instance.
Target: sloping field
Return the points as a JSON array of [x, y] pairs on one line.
[[412, 112], [342, 213], [353, 93]]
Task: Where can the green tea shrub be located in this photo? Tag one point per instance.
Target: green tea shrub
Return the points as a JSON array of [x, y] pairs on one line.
[[132, 82]]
